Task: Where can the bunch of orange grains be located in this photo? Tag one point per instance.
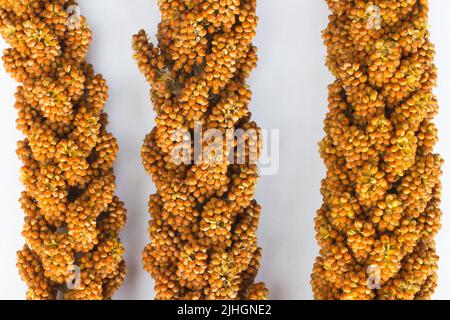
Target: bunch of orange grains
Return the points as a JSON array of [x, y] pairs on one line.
[[72, 218], [203, 216], [381, 194]]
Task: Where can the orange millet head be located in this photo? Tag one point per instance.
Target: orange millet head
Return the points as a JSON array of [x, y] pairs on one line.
[[72, 218], [203, 216], [382, 192]]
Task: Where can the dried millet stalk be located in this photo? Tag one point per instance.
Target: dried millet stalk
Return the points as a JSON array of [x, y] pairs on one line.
[[204, 218], [72, 216], [382, 189]]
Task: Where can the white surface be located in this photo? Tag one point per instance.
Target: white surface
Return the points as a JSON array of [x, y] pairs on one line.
[[290, 90]]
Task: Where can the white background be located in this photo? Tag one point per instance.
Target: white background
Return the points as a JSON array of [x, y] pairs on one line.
[[290, 92]]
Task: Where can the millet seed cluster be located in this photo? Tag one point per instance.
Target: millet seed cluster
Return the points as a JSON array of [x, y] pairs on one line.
[[382, 189], [203, 216], [72, 217]]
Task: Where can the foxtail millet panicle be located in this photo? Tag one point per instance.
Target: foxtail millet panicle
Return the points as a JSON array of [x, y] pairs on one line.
[[72, 217], [382, 190], [203, 216]]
